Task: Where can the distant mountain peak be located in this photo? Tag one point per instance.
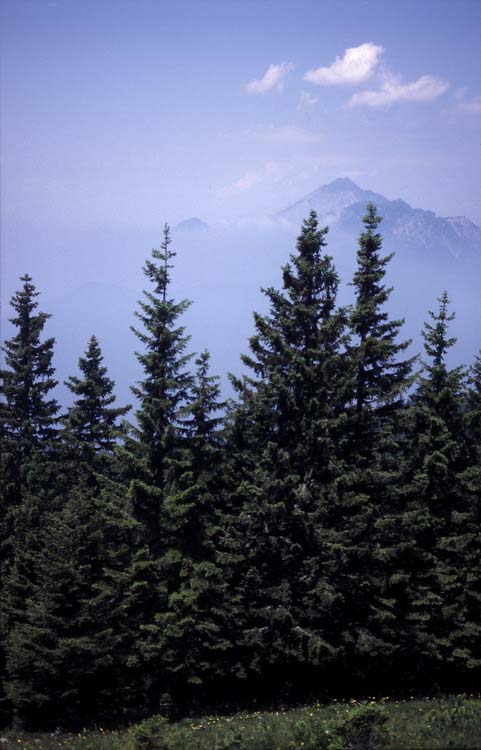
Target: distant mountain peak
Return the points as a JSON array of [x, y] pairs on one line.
[[341, 204], [342, 183], [193, 224], [329, 201]]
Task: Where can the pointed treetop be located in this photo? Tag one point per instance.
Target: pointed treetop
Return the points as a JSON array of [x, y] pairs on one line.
[[311, 237], [29, 377], [371, 219], [24, 303], [436, 340], [158, 272], [440, 387], [92, 419]]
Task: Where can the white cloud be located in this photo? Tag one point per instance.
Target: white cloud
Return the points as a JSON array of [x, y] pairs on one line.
[[307, 100], [392, 89], [355, 66], [273, 78]]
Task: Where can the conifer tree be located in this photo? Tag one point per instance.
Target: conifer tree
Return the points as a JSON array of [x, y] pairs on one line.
[[430, 589], [154, 455], [379, 379], [28, 412], [162, 394], [91, 423], [287, 421], [193, 640], [28, 436]]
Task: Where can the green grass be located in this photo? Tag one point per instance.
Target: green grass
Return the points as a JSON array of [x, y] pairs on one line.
[[452, 723]]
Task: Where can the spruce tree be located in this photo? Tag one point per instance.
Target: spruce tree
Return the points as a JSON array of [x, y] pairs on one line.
[[285, 473], [28, 433], [154, 456], [28, 413], [91, 423], [193, 642], [379, 379], [429, 582], [380, 376], [28, 410], [162, 394]]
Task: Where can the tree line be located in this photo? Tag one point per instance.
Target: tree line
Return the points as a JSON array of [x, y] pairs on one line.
[[320, 531]]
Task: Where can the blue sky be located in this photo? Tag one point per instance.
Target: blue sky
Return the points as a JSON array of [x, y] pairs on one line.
[[132, 113]]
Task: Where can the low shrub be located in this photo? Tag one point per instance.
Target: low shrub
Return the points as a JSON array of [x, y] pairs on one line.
[[364, 729], [313, 734], [151, 734]]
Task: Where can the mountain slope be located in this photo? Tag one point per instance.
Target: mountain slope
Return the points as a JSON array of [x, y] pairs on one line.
[[341, 205]]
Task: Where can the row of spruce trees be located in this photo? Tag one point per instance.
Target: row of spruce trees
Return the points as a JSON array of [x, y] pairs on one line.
[[319, 532]]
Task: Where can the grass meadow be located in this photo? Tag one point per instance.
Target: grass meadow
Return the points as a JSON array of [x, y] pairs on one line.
[[452, 723]]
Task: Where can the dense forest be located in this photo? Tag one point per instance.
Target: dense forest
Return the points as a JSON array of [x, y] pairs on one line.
[[320, 532]]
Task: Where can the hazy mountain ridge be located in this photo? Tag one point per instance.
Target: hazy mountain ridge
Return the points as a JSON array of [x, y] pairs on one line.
[[193, 224], [341, 205]]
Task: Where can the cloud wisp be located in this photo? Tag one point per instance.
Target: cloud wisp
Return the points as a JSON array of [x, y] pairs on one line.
[[307, 100], [355, 66], [393, 89], [273, 79]]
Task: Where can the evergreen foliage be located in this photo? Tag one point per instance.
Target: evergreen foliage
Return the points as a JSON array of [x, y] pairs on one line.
[[433, 616], [28, 433], [378, 381], [159, 464], [28, 413], [68, 644], [321, 529], [162, 394], [91, 423], [192, 627], [468, 541], [289, 414]]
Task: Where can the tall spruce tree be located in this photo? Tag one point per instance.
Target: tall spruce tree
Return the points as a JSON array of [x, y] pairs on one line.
[[285, 474], [379, 379], [430, 589], [28, 414], [154, 456], [380, 376], [28, 410], [162, 394]]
